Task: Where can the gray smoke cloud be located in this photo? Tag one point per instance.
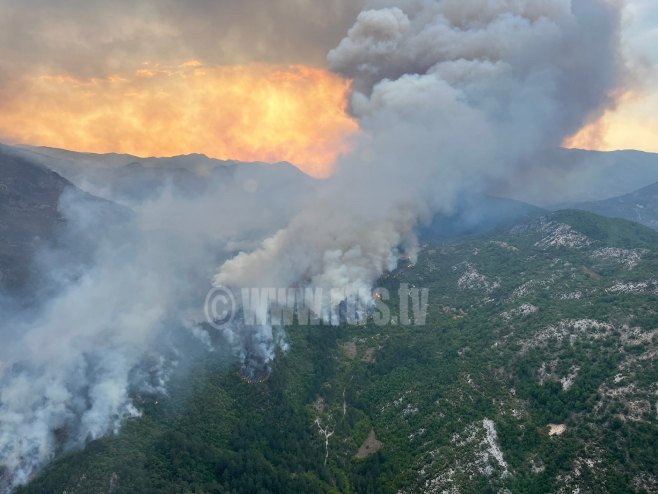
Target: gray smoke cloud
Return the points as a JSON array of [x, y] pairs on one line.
[[98, 39], [70, 367], [453, 97]]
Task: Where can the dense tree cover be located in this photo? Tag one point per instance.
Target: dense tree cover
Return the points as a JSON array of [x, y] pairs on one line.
[[425, 391]]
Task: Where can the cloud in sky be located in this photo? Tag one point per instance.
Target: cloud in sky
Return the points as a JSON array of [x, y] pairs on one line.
[[633, 124], [96, 40], [642, 28], [257, 112], [99, 38], [111, 76]]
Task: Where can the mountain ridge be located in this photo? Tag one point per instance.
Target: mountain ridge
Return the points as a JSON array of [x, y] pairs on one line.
[[31, 219], [640, 206]]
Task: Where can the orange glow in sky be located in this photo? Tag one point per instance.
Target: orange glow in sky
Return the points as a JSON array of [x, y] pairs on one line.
[[632, 125], [249, 113]]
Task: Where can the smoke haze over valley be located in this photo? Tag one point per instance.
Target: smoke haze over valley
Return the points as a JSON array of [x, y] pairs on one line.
[[414, 145]]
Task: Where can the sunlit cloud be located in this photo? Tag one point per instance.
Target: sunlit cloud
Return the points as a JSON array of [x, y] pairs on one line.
[[633, 124], [256, 112]]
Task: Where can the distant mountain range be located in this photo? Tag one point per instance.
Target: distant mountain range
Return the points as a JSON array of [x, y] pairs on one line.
[[129, 179], [640, 206], [32, 180], [567, 176], [560, 177]]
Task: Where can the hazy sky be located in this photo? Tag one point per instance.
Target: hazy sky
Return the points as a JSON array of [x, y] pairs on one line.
[[150, 77], [642, 33], [634, 124], [94, 37]]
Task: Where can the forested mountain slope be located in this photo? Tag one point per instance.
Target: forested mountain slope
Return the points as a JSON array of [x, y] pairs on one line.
[[536, 372]]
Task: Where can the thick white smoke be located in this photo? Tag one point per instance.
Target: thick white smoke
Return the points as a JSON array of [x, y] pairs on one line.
[[452, 96], [69, 368]]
